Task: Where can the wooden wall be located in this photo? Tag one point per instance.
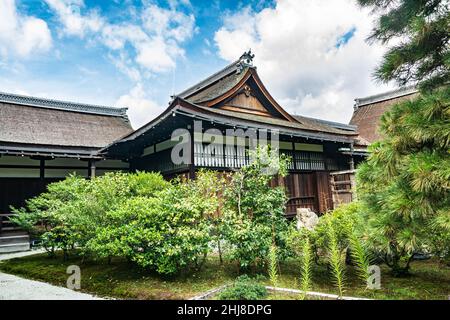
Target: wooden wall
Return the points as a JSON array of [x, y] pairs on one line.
[[15, 191], [307, 190], [20, 177]]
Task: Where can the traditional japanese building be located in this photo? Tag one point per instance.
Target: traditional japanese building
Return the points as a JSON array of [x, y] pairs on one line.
[[44, 140], [235, 98]]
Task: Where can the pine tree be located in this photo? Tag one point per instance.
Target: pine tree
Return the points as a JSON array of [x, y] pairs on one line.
[[422, 29], [405, 184]]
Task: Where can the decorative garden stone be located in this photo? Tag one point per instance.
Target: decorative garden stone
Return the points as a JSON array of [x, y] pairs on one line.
[[306, 219]]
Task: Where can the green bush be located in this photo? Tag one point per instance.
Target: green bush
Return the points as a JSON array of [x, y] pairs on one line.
[[253, 215], [244, 288], [338, 233], [159, 225], [166, 233], [70, 212]]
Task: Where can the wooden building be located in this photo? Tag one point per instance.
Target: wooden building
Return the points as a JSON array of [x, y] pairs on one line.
[[366, 117], [43, 140], [235, 98]]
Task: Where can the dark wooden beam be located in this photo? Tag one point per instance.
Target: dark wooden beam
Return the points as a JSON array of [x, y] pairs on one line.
[[42, 169], [192, 160]]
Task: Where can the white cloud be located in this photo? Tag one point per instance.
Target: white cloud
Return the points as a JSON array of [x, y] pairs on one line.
[[297, 56], [141, 108], [156, 34], [69, 12], [21, 35]]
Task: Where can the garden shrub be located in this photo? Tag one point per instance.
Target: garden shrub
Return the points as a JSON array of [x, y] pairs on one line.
[[156, 224], [253, 217], [244, 288], [338, 234], [69, 213]]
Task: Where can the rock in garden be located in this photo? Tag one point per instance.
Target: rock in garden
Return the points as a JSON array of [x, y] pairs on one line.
[[306, 218]]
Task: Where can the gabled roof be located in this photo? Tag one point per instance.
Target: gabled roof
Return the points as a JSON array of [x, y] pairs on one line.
[[208, 100], [222, 86], [231, 69], [31, 121], [368, 111], [62, 105]]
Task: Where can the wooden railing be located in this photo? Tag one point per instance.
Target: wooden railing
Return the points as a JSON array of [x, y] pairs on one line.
[[343, 187]]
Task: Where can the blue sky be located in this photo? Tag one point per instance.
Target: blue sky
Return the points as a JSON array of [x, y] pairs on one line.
[[310, 53]]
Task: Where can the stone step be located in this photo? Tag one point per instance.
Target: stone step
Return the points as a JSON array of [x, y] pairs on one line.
[[15, 247], [14, 239]]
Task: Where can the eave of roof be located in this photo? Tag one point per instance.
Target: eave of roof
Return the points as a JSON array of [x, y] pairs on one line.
[[62, 105], [49, 151], [237, 120], [312, 127]]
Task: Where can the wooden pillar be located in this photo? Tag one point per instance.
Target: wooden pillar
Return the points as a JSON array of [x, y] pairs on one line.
[[42, 169], [192, 160], [293, 156], [351, 162], [91, 169], [318, 192], [353, 186]]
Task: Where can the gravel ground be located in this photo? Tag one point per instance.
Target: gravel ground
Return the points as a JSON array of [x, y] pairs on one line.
[[16, 288]]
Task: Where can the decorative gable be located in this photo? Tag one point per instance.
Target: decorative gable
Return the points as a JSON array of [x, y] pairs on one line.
[[246, 101], [237, 88]]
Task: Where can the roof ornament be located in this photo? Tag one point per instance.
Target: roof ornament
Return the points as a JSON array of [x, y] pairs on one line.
[[246, 60]]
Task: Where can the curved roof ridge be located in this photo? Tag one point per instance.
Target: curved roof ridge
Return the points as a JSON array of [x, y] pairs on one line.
[[62, 105], [388, 95], [232, 67]]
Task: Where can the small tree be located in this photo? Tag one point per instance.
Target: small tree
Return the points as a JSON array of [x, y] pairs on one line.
[[254, 211]]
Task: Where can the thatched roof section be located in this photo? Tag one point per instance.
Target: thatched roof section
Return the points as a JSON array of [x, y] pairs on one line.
[[216, 84], [369, 110], [35, 121]]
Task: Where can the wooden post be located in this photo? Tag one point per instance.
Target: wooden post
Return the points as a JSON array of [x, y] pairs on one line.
[[333, 192], [351, 162], [91, 169], [192, 160], [353, 186], [42, 169], [293, 156]]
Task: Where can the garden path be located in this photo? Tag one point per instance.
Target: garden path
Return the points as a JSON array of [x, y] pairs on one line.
[[17, 288]]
